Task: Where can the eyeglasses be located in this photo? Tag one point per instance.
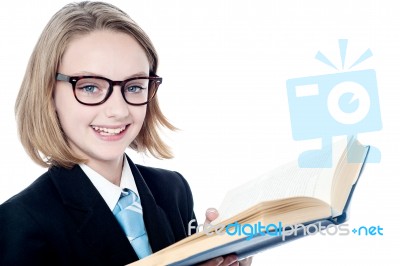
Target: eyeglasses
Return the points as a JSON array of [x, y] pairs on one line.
[[93, 90]]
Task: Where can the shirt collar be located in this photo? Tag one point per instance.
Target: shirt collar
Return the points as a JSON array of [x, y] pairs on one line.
[[110, 192]]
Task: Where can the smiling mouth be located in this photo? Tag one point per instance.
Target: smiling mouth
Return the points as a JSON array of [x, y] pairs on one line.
[[109, 131]]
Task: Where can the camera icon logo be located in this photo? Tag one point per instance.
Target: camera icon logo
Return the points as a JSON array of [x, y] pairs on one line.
[[325, 106]]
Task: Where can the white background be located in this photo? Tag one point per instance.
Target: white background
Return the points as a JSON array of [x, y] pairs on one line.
[[225, 65]]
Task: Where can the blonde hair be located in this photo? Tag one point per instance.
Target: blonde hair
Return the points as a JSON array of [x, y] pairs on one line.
[[38, 126]]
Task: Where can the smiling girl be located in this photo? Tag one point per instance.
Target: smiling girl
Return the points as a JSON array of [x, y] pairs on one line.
[[89, 92]]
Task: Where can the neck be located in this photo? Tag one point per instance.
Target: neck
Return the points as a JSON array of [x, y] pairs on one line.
[[111, 170]]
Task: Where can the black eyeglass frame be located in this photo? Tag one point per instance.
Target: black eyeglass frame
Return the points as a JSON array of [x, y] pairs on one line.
[[74, 79]]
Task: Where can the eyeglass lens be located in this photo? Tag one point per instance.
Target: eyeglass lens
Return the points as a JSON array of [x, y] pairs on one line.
[[94, 90]]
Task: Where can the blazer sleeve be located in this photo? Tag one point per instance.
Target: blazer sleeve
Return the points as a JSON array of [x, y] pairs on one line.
[[191, 218], [21, 238]]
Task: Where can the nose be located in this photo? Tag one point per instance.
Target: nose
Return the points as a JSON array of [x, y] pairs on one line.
[[115, 106]]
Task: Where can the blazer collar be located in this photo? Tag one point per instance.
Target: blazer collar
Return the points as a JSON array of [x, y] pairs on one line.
[[157, 225], [95, 221]]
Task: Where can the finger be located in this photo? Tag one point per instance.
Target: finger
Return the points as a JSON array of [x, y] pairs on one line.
[[211, 215], [230, 260], [213, 262], [246, 262]]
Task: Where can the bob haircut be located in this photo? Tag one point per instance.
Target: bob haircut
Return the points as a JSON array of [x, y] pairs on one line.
[[38, 126]]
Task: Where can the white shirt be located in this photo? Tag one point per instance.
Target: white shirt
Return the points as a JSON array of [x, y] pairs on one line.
[[108, 190]]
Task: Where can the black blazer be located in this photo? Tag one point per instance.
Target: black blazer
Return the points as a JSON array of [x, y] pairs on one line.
[[61, 219]]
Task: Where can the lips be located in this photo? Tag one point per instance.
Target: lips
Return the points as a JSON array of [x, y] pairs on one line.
[[109, 131]]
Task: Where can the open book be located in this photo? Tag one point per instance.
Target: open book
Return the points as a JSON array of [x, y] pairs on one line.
[[282, 205]]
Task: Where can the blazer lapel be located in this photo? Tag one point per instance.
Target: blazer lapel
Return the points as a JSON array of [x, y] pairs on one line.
[[94, 220], [157, 225]]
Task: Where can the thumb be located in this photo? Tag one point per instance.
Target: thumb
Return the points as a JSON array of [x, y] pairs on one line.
[[211, 215]]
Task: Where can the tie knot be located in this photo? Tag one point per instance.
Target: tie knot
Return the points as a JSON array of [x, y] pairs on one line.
[[126, 192], [127, 198]]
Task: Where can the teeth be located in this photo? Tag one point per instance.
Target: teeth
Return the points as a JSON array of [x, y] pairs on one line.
[[108, 131]]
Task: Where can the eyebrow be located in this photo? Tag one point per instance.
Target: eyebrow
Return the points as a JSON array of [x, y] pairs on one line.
[[86, 73]]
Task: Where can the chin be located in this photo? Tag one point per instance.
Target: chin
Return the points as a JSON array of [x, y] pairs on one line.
[[107, 155]]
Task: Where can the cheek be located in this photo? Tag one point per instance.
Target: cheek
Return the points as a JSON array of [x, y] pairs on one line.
[[139, 114], [69, 112], [63, 99]]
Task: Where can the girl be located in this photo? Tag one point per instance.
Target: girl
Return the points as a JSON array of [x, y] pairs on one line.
[[89, 92]]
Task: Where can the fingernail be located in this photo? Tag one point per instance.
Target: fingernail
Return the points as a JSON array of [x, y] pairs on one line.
[[231, 259], [219, 260], [212, 210]]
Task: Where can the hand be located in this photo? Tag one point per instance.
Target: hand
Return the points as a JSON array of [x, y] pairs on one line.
[[229, 260]]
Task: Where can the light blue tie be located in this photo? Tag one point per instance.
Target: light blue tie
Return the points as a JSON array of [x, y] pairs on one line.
[[128, 212]]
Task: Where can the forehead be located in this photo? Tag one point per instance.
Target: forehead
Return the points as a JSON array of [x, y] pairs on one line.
[[114, 55]]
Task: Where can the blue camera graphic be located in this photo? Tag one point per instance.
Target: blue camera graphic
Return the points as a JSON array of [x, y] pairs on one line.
[[324, 106]]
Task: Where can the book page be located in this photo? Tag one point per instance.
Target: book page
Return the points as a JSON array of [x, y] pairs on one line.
[[285, 181], [346, 175]]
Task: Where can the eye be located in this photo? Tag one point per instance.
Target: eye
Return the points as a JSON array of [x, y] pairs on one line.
[[91, 86], [89, 89], [134, 89]]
